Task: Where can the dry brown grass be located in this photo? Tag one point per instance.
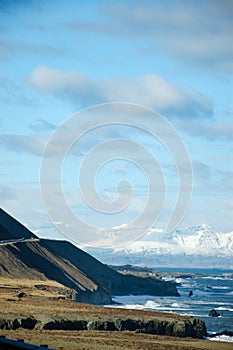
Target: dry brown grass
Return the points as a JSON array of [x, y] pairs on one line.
[[9, 288], [103, 340], [22, 282]]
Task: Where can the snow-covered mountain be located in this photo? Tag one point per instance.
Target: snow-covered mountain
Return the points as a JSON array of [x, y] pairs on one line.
[[198, 246]]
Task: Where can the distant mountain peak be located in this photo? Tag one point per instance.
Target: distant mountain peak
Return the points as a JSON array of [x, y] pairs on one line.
[[199, 244], [203, 228]]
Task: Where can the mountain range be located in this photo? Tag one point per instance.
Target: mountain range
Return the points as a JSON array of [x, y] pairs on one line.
[[199, 246]]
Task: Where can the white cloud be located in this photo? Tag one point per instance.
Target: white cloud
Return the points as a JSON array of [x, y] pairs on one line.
[[150, 90], [193, 31], [197, 31], [55, 80]]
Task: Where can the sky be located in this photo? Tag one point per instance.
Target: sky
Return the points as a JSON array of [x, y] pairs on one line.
[[116, 116]]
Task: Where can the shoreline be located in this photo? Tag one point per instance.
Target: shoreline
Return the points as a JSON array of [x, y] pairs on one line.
[[206, 295], [49, 306]]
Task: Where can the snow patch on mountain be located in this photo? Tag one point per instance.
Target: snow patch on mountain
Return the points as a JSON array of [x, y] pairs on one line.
[[194, 240], [199, 245]]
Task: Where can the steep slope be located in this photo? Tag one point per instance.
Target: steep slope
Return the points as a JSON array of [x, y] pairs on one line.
[[34, 261], [10, 228], [61, 261], [12, 266], [116, 283]]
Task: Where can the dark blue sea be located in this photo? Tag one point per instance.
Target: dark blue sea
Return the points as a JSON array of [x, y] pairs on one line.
[[212, 289]]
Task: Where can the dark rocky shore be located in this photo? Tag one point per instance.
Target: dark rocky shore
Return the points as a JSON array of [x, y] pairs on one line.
[[191, 327]]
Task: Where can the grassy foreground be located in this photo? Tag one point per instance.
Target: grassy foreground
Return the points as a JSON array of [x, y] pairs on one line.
[[48, 298]]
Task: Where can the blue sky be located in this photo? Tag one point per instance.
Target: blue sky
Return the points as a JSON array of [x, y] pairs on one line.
[[60, 57]]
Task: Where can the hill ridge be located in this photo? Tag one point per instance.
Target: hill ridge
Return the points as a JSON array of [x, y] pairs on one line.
[[92, 281], [10, 228]]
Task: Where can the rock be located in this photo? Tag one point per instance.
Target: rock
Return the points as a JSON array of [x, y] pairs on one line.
[[128, 324], [170, 327], [156, 327], [214, 313], [9, 324], [61, 324], [183, 276], [179, 329], [99, 296], [28, 322], [225, 332], [190, 329], [199, 328], [21, 295], [101, 325], [41, 287], [161, 327]]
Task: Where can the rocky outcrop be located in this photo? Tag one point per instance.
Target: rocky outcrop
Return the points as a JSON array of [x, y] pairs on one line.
[[190, 327], [61, 324], [214, 313], [99, 296], [15, 323], [225, 332], [9, 324]]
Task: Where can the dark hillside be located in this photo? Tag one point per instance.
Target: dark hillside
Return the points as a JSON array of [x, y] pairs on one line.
[[24, 255], [34, 261], [115, 282], [10, 228]]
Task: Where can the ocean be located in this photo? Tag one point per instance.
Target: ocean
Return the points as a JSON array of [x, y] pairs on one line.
[[212, 289]]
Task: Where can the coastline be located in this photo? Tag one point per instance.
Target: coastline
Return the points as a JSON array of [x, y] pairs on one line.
[[54, 309], [211, 289]]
